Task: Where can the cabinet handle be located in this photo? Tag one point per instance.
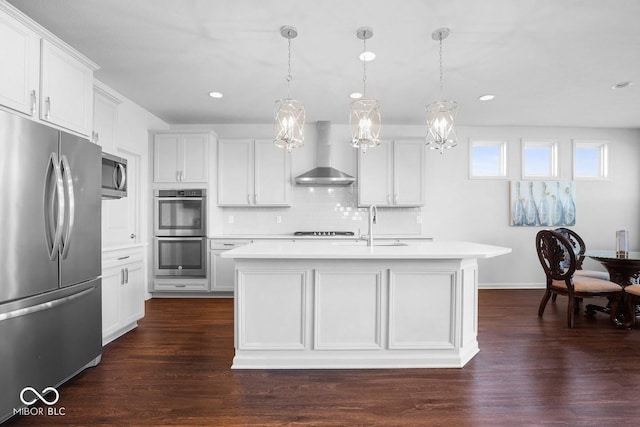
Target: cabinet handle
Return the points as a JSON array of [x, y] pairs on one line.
[[33, 102], [180, 286], [47, 103], [133, 235], [388, 199], [181, 176], [248, 199], [123, 257], [122, 276], [126, 275], [255, 199]]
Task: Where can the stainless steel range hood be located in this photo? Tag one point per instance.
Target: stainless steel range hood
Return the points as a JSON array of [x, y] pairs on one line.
[[324, 174]]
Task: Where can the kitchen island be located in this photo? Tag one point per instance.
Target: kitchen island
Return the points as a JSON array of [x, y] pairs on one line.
[[312, 305]]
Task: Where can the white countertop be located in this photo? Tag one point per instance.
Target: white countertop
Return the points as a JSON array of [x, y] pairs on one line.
[[360, 250], [292, 237]]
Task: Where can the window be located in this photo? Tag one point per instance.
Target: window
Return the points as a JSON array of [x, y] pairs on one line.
[[539, 159], [488, 159], [590, 159]]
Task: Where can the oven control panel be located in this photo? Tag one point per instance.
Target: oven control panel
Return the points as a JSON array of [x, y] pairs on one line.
[[199, 192]]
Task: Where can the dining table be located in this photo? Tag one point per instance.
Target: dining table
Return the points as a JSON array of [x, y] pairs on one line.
[[623, 268]]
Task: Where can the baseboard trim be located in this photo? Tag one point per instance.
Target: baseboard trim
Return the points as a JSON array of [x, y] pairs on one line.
[[511, 285]]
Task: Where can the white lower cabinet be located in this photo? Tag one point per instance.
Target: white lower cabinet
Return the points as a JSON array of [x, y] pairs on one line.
[[222, 269], [123, 287]]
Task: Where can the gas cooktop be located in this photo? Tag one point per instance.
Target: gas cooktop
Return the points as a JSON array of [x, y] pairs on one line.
[[324, 233]]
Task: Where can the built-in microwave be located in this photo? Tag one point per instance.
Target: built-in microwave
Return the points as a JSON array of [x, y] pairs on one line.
[[114, 176]]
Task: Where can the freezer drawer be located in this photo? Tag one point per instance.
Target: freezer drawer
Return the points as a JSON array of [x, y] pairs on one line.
[[53, 336]]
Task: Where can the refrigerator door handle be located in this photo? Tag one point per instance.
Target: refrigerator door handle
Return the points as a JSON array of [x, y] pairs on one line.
[[66, 241], [53, 225], [44, 306]]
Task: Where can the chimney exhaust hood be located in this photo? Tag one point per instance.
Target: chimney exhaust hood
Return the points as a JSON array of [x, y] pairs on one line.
[[324, 174]]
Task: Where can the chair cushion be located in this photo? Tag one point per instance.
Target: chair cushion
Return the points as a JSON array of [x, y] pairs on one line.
[[633, 289], [603, 275], [589, 284]]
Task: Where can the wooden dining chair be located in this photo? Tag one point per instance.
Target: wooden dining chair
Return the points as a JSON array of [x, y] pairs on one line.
[[632, 297], [579, 248], [559, 262]]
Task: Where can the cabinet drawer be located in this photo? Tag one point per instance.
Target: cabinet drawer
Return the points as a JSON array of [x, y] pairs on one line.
[[181, 286], [118, 257], [226, 245]]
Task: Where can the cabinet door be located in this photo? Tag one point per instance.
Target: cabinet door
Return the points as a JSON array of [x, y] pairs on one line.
[[166, 161], [235, 172], [195, 158], [120, 217], [408, 172], [272, 174], [111, 282], [375, 176], [20, 69], [67, 90], [105, 119], [132, 295], [223, 272]]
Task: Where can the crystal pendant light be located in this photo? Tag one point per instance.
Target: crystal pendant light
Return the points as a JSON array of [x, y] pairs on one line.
[[365, 113], [441, 114], [289, 113]]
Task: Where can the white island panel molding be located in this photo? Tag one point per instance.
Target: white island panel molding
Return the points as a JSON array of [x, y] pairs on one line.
[[316, 305], [347, 306]]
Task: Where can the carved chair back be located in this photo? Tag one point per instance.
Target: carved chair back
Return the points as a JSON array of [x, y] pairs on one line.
[[578, 245], [556, 255]]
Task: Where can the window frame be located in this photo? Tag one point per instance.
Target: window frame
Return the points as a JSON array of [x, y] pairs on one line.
[[604, 157], [501, 144], [553, 160]]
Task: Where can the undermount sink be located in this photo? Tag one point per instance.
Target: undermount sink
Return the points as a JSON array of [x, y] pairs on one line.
[[363, 243]]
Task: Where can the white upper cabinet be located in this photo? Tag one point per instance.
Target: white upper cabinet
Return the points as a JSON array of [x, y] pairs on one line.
[[181, 157], [105, 120], [392, 174], [20, 69], [253, 173], [67, 90], [41, 76]]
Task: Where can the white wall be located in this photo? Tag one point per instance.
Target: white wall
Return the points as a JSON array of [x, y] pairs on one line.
[[459, 208]]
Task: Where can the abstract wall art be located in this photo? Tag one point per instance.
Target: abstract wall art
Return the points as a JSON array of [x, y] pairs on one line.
[[543, 203]]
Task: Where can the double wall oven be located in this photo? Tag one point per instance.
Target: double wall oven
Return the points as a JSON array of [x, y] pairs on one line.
[[180, 231]]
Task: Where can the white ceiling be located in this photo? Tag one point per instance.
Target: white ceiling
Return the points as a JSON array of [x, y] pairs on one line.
[[549, 62]]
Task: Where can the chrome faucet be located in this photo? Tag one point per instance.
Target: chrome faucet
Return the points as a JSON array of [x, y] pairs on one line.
[[373, 219]]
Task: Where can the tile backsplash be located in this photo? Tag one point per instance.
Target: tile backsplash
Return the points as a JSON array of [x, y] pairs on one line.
[[320, 209]]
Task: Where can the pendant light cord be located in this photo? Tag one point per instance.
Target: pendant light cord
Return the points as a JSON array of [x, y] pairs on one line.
[[289, 76], [441, 78], [364, 69]]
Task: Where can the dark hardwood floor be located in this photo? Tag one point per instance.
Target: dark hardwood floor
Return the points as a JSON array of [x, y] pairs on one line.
[[174, 370]]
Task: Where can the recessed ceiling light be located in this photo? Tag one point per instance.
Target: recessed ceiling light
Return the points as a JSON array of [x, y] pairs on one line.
[[621, 85], [216, 95], [367, 56], [487, 97], [355, 95]]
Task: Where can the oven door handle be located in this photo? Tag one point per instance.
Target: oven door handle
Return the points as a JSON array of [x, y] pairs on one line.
[[181, 238]]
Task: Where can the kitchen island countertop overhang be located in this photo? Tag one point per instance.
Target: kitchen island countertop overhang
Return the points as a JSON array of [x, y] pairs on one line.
[[336, 305], [360, 250]]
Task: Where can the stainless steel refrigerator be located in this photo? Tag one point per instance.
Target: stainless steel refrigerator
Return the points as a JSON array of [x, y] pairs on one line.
[[50, 258]]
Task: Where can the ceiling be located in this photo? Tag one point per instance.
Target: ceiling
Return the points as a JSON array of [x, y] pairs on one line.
[[548, 62]]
